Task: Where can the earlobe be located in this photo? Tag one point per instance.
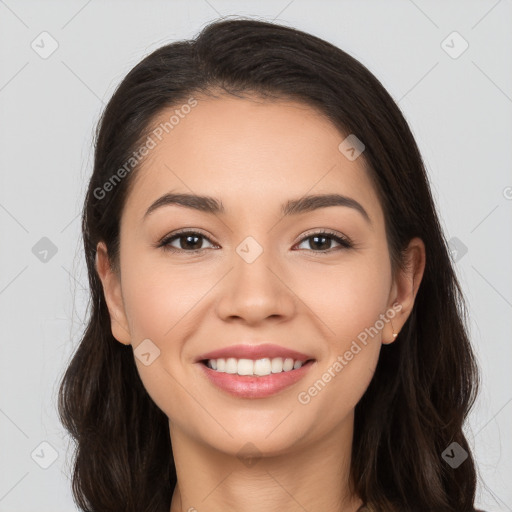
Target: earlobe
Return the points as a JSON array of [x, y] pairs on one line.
[[390, 337], [406, 285], [113, 296], [395, 334]]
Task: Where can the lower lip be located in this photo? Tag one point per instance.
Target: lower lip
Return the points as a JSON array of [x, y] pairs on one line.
[[243, 386]]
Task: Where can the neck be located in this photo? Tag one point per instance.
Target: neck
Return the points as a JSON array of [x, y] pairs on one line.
[[314, 477]]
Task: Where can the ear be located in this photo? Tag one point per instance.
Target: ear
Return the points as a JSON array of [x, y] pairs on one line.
[[405, 287], [113, 295]]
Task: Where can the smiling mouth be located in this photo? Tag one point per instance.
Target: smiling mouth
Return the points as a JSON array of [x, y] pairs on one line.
[[255, 367]]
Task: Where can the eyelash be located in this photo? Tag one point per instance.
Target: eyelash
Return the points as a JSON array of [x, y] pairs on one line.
[[345, 243]]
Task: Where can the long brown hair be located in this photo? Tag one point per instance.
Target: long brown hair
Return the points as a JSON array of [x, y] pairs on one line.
[[425, 383]]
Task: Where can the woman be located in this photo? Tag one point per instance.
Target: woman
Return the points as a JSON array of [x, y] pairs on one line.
[[275, 322]]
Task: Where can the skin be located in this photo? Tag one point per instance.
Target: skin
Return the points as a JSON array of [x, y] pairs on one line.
[[254, 155]]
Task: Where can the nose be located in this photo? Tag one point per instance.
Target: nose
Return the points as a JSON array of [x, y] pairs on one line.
[[257, 290]]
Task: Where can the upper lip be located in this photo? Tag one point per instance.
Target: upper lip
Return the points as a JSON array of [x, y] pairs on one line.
[[247, 351]]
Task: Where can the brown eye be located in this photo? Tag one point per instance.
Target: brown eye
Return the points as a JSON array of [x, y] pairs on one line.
[[188, 241], [322, 241]]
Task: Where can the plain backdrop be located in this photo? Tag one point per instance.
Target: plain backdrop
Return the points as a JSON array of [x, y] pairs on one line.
[[457, 100]]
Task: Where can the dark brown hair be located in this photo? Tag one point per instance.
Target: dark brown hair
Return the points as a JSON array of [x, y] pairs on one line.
[[425, 383]]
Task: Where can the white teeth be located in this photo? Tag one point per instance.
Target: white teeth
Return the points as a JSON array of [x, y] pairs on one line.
[[262, 367], [245, 367], [258, 367], [277, 365], [231, 365], [288, 364]]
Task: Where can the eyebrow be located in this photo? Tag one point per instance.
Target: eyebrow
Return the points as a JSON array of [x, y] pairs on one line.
[[304, 204]]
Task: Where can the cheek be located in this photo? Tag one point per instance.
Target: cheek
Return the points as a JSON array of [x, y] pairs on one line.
[[160, 298], [160, 305], [163, 304], [346, 298], [347, 301]]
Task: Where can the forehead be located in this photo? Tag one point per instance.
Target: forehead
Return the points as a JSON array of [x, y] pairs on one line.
[[250, 153]]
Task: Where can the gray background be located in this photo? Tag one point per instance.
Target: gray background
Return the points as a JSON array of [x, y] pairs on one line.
[[458, 108]]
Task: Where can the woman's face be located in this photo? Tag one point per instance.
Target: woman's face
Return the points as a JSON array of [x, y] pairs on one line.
[[259, 276]]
